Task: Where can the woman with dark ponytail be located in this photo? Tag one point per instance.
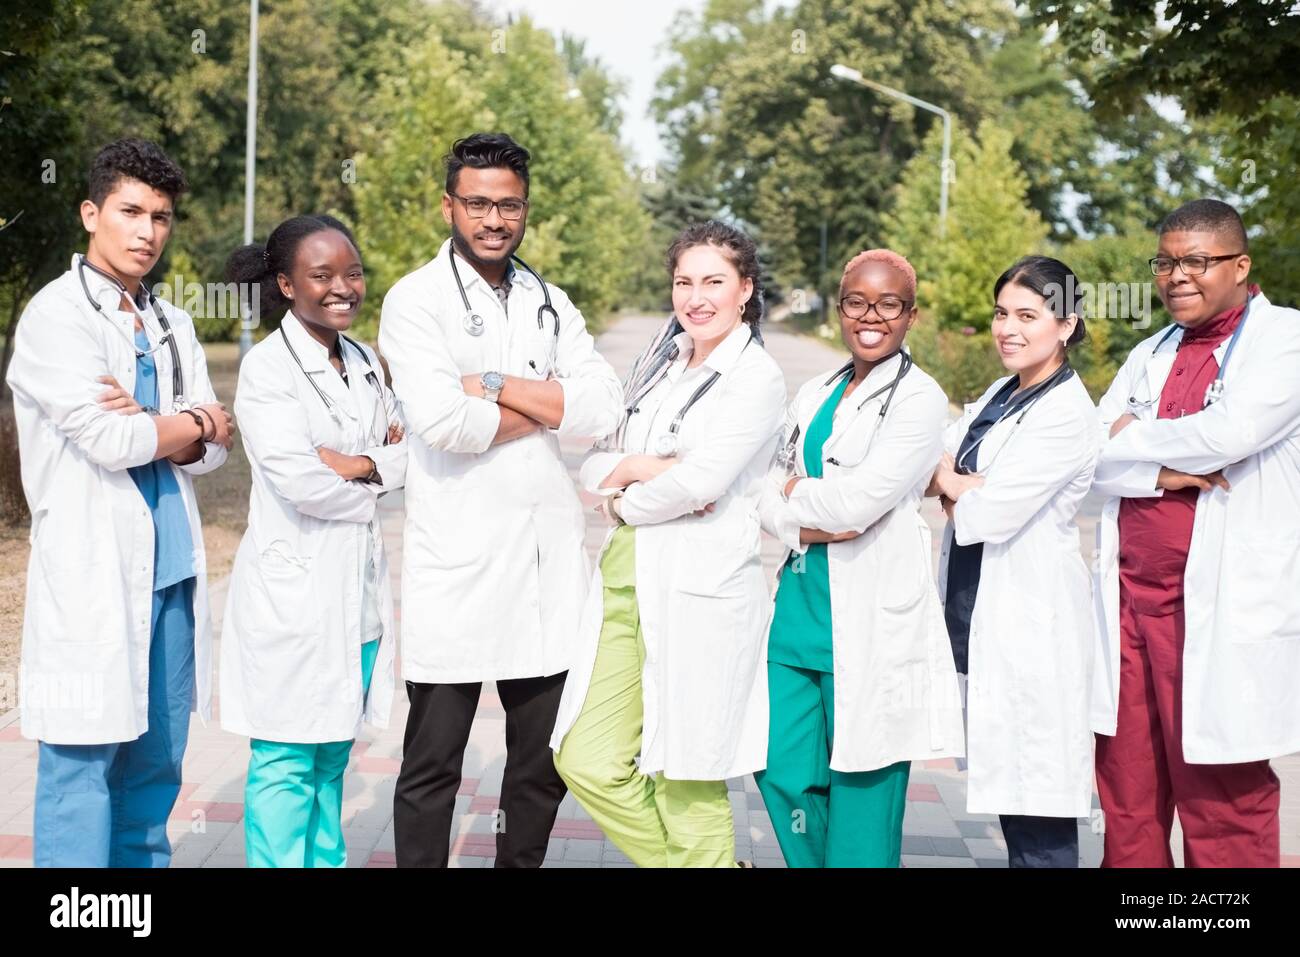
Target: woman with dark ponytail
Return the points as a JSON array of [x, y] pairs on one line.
[[1017, 594], [667, 698], [308, 643]]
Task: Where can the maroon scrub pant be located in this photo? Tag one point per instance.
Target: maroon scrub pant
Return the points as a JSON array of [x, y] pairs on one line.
[[1228, 812]]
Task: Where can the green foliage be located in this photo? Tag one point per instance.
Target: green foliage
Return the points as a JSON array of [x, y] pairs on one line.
[[1264, 167], [1123, 308], [585, 226], [990, 225], [755, 120], [358, 100], [1212, 56]]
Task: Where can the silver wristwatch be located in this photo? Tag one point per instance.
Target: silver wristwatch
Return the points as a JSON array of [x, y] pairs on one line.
[[493, 383]]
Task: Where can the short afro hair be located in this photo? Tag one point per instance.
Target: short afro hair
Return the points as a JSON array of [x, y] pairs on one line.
[[886, 257], [134, 159], [1207, 215]]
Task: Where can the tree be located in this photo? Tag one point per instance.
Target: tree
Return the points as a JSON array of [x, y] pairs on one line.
[[990, 225], [1263, 168], [585, 227], [1211, 56], [755, 120]]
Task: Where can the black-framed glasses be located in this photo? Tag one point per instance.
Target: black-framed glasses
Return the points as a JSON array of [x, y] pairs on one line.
[[1190, 265], [887, 308], [477, 207]]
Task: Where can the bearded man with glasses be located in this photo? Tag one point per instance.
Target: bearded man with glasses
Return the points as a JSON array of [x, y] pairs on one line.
[[492, 366]]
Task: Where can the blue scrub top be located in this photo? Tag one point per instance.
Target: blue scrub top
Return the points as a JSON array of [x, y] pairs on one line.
[[173, 548]]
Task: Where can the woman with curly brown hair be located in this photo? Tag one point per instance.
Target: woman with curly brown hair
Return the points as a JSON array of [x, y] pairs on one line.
[[668, 697]]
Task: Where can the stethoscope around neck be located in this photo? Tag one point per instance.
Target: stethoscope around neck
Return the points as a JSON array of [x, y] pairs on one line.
[[167, 337], [1215, 390], [474, 323], [667, 444], [330, 406], [1047, 385], [785, 456]]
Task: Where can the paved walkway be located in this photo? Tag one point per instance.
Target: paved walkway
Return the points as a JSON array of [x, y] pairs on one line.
[[207, 825]]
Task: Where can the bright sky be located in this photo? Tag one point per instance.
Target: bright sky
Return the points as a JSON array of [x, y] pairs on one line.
[[626, 35]]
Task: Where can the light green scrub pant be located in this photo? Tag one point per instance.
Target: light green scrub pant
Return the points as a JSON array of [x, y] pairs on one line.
[[825, 818], [293, 799], [655, 821]]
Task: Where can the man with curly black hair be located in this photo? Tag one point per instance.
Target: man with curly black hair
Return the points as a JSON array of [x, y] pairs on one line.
[[115, 415]]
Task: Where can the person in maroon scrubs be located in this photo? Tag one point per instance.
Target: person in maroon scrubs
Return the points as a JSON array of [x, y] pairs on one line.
[[1228, 812]]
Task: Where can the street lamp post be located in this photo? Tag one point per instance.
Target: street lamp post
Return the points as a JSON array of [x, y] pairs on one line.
[[840, 71], [250, 169]]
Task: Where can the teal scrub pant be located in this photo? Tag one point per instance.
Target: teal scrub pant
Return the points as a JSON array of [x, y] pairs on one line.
[[293, 799], [825, 818]]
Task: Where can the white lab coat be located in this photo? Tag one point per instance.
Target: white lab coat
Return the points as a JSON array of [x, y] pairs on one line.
[[84, 673], [1031, 635], [291, 636], [494, 573], [896, 691], [1241, 661], [700, 587]]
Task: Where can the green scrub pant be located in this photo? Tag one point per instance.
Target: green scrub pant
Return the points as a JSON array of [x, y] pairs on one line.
[[655, 821], [825, 818], [293, 799]]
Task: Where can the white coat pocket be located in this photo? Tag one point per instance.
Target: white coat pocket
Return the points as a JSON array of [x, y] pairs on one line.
[[1263, 607], [281, 639], [716, 552], [75, 561]]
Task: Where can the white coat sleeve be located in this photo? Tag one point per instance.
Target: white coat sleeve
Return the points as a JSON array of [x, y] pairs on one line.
[[593, 396], [774, 512], [740, 426], [390, 460], [200, 393], [277, 437], [1116, 477], [57, 359], [901, 457], [426, 377], [1259, 408], [1031, 468], [596, 467]]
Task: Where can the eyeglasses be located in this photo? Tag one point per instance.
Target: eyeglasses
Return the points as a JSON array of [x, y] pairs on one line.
[[1190, 265], [887, 309], [477, 207]]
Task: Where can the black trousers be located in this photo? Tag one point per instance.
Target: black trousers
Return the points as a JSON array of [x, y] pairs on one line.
[[1040, 841], [437, 731]]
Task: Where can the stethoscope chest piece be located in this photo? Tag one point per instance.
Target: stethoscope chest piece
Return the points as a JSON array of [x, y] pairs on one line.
[[666, 445], [473, 323]]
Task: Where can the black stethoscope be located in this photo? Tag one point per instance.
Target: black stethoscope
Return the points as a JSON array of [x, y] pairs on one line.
[[330, 407], [785, 457], [1046, 386], [667, 444], [474, 323], [1215, 391], [178, 376]]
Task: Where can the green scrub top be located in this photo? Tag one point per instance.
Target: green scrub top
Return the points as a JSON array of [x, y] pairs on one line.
[[801, 624]]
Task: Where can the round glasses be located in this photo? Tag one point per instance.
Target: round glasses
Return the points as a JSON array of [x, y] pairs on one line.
[[886, 308]]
